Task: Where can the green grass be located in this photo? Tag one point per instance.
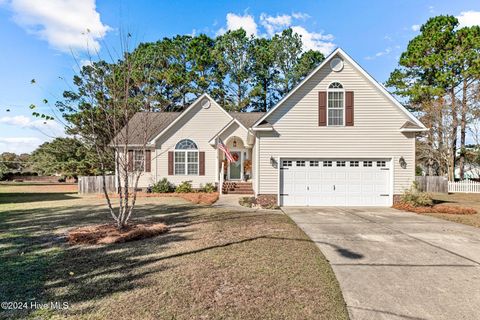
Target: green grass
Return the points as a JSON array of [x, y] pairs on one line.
[[214, 263], [470, 200]]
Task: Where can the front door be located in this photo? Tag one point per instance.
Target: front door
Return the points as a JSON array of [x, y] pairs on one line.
[[235, 168]]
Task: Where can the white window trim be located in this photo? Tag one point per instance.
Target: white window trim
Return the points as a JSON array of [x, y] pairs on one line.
[[135, 151], [185, 151], [336, 90]]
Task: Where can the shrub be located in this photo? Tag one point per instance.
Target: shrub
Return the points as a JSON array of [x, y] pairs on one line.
[[163, 186], [184, 187], [439, 208], [247, 201], [415, 197], [208, 188]]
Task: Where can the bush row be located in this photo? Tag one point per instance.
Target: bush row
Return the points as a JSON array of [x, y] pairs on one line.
[[165, 186], [417, 201]]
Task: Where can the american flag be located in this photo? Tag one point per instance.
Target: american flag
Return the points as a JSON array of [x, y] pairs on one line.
[[225, 150]]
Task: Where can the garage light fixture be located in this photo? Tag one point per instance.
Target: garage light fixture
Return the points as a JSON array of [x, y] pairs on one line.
[[402, 162], [273, 162]]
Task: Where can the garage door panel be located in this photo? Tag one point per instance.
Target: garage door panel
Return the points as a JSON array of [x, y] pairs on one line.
[[307, 182], [354, 188], [354, 176]]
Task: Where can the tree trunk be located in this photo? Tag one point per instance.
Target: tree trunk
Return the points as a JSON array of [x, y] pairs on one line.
[[265, 101], [239, 96], [463, 124], [453, 147]]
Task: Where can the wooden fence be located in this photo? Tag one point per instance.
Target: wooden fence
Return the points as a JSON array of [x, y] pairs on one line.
[[94, 184], [465, 186], [433, 184]]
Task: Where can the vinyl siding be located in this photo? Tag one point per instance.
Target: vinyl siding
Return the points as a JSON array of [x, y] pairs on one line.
[[375, 133], [146, 178], [199, 125]]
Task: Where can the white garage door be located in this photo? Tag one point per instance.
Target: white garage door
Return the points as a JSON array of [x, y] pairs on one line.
[[335, 182]]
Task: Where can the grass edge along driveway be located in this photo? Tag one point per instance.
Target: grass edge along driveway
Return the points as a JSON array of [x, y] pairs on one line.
[[214, 264]]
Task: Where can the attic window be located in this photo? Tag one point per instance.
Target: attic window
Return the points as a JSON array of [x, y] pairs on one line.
[[336, 104], [336, 64], [335, 85]]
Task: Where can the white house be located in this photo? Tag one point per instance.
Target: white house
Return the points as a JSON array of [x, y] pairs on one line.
[[337, 139]]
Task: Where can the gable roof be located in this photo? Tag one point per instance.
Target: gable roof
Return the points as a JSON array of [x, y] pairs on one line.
[[186, 111], [155, 121], [247, 119], [412, 127], [362, 71]]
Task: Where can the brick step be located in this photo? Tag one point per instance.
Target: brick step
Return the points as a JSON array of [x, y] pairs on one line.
[[234, 187], [241, 187], [238, 192]]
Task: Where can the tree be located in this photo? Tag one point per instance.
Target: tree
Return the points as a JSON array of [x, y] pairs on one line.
[[468, 56], [200, 54], [12, 163], [287, 48], [68, 157], [262, 95], [179, 71], [429, 75], [308, 61], [105, 97], [232, 52]]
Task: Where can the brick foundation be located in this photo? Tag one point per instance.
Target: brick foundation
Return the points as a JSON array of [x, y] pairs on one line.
[[396, 198]]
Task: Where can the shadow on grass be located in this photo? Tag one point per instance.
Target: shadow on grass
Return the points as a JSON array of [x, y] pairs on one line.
[[36, 263], [36, 260], [18, 197]]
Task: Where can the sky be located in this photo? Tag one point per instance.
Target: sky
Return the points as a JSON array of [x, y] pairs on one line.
[[47, 40]]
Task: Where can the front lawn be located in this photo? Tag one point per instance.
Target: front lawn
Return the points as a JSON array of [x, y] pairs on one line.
[[213, 264], [471, 200]]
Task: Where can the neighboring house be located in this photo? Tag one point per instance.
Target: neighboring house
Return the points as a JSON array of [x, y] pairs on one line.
[[471, 171], [338, 138]]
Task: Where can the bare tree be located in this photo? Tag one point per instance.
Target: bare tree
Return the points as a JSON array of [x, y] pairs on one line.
[[100, 110]]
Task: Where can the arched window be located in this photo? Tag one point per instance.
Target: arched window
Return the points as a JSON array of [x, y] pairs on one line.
[[186, 144], [186, 158], [336, 104]]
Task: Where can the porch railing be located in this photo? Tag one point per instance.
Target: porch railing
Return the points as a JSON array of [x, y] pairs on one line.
[[220, 185]]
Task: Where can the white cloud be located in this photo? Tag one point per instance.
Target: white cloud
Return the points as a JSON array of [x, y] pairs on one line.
[[415, 27], [85, 62], [48, 128], [274, 24], [469, 18], [315, 41], [385, 52], [300, 15], [235, 22], [65, 24], [19, 144]]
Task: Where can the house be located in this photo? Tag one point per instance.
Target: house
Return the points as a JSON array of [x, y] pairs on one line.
[[337, 139]]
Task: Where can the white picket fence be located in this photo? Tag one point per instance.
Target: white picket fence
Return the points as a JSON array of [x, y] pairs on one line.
[[465, 186]]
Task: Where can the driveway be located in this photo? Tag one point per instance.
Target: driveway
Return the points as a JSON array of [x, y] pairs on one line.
[[398, 265]]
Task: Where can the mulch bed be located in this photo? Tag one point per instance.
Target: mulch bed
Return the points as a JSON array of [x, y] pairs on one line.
[[108, 233], [438, 208], [194, 197]]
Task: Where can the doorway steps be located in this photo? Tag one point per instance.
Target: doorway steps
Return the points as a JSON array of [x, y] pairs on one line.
[[237, 187]]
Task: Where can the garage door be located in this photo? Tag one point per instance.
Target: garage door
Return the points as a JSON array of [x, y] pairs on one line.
[[335, 182]]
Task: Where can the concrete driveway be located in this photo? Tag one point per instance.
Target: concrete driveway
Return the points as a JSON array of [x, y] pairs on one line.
[[398, 265]]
